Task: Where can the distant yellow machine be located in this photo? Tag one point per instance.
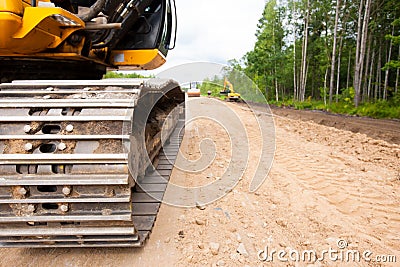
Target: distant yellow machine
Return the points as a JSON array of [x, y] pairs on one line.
[[229, 92]]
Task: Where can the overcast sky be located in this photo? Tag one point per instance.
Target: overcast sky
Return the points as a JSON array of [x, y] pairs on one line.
[[214, 30]]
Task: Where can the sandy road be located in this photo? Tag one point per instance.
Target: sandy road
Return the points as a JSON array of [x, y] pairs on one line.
[[325, 185]]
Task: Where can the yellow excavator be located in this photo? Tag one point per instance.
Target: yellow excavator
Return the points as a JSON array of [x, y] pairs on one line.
[[229, 93], [85, 162]]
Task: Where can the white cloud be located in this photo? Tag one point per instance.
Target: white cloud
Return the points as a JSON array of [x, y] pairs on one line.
[[192, 72], [214, 30]]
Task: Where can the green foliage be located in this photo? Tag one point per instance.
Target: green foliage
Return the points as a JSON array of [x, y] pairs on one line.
[[380, 109], [265, 64], [393, 64], [274, 64], [347, 95], [396, 99], [241, 84], [214, 86], [113, 75], [342, 108], [395, 39]]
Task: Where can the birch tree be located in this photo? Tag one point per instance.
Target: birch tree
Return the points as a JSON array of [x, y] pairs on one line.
[[332, 79], [362, 35], [303, 71]]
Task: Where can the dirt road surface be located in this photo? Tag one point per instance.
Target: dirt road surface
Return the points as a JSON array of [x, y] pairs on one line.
[[388, 130], [327, 188]]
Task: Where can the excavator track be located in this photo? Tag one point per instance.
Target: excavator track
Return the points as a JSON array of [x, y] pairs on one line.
[[86, 165]]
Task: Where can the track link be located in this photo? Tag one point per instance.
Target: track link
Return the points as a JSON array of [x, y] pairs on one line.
[[73, 161]]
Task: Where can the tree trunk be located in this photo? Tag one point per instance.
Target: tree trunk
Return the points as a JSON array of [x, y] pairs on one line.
[[364, 40], [397, 81], [332, 79], [275, 69], [376, 81], [313, 82], [294, 53], [378, 74], [297, 96], [303, 77], [356, 79], [361, 49], [365, 92], [325, 84], [338, 69], [387, 71], [397, 76], [371, 70], [348, 71]]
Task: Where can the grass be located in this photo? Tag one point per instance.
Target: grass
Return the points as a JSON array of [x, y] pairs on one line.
[[113, 74]]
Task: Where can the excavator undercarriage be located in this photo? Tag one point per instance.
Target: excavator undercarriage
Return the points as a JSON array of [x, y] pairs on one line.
[[85, 164]]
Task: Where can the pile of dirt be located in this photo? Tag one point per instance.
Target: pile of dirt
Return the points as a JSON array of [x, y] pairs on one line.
[[388, 130]]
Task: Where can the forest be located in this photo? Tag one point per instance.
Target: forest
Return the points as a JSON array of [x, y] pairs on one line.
[[338, 55]]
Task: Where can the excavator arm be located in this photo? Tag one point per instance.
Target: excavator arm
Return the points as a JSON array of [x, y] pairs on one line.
[[228, 87]]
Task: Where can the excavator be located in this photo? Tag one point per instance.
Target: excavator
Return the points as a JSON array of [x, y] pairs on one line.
[[85, 162], [229, 93]]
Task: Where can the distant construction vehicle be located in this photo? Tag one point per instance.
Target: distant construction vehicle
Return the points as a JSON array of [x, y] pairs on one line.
[[193, 91], [229, 92]]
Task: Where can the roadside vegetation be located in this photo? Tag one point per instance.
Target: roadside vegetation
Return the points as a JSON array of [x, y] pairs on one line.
[[114, 74], [341, 56], [379, 109]]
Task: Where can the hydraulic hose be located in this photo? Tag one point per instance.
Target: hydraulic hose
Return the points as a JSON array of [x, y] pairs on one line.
[[95, 9]]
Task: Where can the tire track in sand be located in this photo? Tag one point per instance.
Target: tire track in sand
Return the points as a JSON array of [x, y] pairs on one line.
[[362, 191]]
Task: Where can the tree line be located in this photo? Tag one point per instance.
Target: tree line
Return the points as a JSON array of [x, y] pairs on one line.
[[328, 50]]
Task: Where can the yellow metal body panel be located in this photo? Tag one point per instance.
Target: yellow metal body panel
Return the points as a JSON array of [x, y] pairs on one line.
[[15, 7], [40, 28], [138, 59], [30, 32], [45, 18], [234, 96], [10, 23], [36, 1], [58, 56]]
